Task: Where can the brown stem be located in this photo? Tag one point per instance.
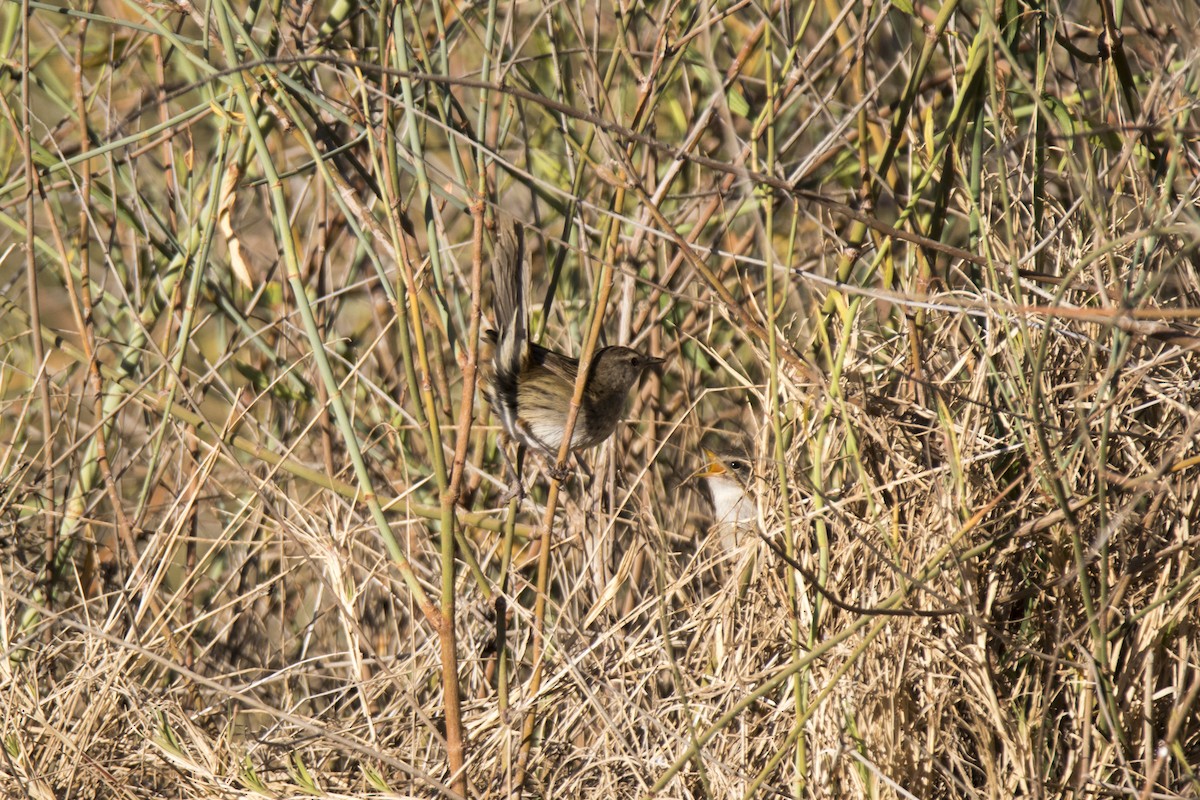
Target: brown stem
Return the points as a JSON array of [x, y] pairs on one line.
[[35, 314]]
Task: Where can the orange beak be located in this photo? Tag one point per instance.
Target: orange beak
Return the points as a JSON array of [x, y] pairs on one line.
[[714, 466]]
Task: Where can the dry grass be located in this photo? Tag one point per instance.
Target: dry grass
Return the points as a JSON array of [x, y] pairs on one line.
[[974, 419]]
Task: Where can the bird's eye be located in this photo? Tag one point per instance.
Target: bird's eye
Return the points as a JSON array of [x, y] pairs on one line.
[[736, 466]]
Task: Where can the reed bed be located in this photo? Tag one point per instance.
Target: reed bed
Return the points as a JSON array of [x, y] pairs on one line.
[[933, 269]]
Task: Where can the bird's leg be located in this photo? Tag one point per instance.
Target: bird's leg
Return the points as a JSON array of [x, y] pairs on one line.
[[560, 474], [515, 488]]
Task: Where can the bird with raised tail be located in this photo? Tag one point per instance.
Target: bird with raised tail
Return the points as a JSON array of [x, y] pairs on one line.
[[530, 387]]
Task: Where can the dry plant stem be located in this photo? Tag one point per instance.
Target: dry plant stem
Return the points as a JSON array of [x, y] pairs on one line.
[[529, 722], [500, 605], [187, 117], [450, 497], [850, 662], [396, 236], [455, 736], [483, 165], [478, 210], [353, 211], [858, 230], [800, 680], [318, 263], [1051, 475], [692, 140], [484, 169], [88, 338], [1116, 43], [288, 245], [470, 363], [661, 602], [171, 190], [417, 159], [151, 313], [543, 572], [701, 125], [35, 312], [1040, 125], [795, 737], [415, 349]]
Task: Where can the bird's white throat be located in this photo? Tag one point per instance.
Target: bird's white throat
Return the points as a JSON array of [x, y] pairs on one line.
[[731, 504]]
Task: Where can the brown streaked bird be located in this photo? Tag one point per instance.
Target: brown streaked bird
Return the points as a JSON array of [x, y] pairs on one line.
[[530, 387]]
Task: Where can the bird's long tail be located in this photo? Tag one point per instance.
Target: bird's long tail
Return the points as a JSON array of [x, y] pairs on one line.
[[510, 280]]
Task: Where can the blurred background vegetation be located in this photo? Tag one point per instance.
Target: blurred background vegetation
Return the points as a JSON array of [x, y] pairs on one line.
[[933, 268]]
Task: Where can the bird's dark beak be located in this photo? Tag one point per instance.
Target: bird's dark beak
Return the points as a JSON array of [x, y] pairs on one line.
[[654, 363]]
